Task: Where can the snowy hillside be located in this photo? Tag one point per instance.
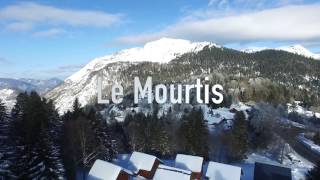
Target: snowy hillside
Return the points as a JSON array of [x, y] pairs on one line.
[[8, 97], [83, 83], [296, 49]]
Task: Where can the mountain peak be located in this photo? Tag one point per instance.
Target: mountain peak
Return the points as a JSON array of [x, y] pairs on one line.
[[160, 51], [300, 50], [295, 49]]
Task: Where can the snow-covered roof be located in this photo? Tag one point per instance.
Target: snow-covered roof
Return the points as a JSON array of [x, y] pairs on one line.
[[219, 171], [161, 166], [141, 161], [104, 170], [188, 162], [240, 106], [166, 172], [215, 116]]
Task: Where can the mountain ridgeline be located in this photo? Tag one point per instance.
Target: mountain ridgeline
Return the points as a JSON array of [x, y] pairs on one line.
[[270, 75]]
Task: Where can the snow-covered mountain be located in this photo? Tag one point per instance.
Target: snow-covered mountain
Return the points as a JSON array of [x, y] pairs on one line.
[[117, 68], [160, 51], [300, 50], [83, 83], [296, 49]]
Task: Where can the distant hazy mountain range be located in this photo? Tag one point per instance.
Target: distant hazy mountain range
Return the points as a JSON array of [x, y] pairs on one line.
[[10, 88]]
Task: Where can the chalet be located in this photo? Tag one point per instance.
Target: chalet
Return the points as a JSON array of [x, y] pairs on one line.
[[190, 163], [264, 171], [144, 165], [105, 170], [218, 171], [166, 173]]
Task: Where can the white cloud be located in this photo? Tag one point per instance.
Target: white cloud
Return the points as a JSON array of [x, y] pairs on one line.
[[219, 3], [257, 4], [289, 23], [138, 39], [48, 33], [19, 26], [37, 13]]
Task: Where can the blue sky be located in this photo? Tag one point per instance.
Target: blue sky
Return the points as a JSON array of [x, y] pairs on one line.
[[48, 38]]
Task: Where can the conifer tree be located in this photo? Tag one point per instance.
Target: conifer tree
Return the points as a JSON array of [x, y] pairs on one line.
[[194, 133], [147, 134], [3, 113], [76, 108], [238, 142], [135, 127], [158, 139], [37, 152], [106, 143], [6, 148], [87, 138]]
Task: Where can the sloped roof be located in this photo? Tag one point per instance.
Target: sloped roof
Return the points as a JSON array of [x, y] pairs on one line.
[[219, 171], [165, 172], [141, 161], [104, 170], [188, 162]]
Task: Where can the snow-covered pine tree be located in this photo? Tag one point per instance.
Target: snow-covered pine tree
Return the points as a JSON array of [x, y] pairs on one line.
[[6, 148], [37, 155], [87, 138], [107, 145], [159, 139], [52, 140], [133, 125], [147, 134]]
